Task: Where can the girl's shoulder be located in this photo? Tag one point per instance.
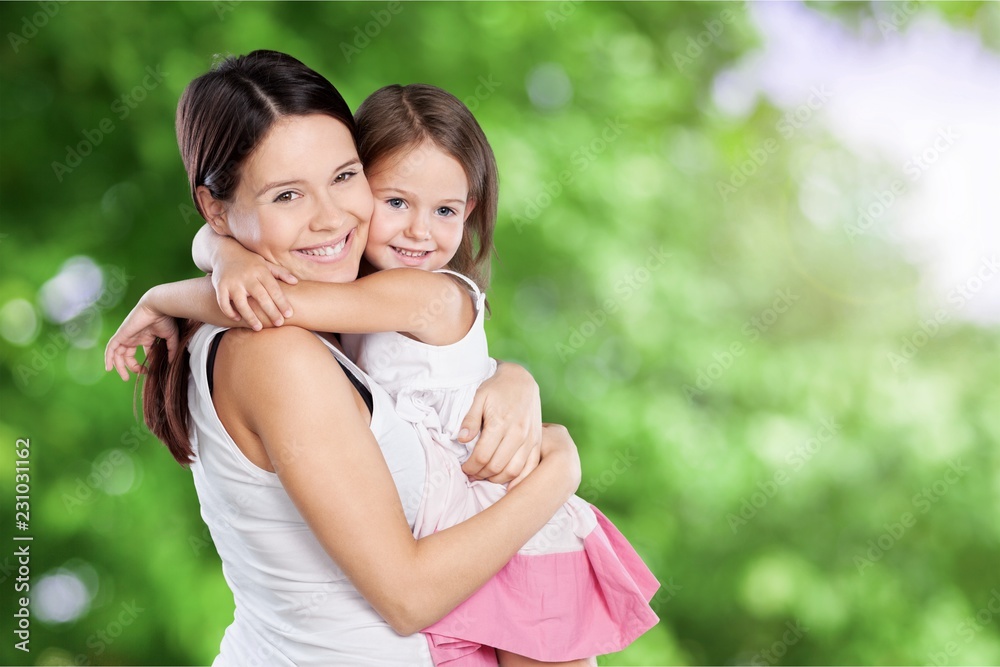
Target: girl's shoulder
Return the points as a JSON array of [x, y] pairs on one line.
[[465, 281]]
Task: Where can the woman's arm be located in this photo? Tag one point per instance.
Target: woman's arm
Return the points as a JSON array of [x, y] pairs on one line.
[[286, 389]]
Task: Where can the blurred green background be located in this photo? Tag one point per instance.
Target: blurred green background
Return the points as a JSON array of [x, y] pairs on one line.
[[771, 398]]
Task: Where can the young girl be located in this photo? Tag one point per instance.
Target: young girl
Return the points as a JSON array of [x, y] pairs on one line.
[[414, 323]]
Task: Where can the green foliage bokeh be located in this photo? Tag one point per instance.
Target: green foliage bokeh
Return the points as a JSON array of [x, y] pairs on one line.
[[751, 466]]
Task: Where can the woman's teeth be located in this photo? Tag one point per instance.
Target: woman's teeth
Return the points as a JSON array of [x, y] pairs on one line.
[[327, 250], [411, 253]]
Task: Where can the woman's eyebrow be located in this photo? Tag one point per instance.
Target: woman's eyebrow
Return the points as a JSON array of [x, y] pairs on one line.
[[282, 184]]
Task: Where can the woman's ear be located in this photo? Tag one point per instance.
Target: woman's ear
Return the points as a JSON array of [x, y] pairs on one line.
[[214, 211]]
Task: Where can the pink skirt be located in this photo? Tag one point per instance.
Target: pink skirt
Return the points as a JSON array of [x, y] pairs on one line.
[[553, 606]]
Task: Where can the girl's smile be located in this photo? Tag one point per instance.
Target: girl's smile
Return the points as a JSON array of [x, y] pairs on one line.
[[421, 203]]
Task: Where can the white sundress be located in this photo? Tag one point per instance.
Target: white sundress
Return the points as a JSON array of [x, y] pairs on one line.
[[576, 589]]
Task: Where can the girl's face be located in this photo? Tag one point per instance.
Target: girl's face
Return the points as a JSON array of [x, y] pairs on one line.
[[421, 203], [303, 201]]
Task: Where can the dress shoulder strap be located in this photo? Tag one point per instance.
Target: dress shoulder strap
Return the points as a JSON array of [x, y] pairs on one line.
[[473, 287]]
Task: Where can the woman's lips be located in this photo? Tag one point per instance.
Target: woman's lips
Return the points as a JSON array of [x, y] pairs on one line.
[[328, 253]]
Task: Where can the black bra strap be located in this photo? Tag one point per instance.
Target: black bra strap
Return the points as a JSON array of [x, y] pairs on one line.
[[213, 349], [359, 385]]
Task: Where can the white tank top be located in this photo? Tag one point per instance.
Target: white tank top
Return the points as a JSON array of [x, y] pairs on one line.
[[294, 606]]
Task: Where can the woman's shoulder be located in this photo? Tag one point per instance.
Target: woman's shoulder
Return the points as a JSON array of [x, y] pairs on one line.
[[279, 351]]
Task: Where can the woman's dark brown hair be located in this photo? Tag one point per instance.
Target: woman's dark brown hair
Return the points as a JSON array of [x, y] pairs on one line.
[[222, 117], [398, 118]]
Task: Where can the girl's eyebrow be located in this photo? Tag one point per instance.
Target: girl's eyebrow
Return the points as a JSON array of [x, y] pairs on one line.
[[295, 181], [407, 193]]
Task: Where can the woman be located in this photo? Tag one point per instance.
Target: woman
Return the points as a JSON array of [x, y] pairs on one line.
[[298, 459]]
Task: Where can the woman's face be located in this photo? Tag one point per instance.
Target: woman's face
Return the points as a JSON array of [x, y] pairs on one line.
[[303, 201]]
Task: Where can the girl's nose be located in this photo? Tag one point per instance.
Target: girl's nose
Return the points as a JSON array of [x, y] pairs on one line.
[[419, 228]]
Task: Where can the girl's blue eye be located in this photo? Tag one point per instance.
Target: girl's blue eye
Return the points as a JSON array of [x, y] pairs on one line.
[[395, 202], [445, 211]]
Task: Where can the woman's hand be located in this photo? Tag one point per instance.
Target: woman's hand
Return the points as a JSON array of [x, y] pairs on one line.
[[142, 327], [556, 441], [508, 410], [239, 275]]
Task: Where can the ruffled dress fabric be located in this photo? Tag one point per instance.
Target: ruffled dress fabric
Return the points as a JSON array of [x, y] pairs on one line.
[[577, 589]]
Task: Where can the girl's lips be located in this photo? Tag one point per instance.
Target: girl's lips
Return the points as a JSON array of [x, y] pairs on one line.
[[412, 258], [329, 253]]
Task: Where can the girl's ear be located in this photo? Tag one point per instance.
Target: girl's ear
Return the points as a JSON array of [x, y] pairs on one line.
[[470, 206], [214, 211]]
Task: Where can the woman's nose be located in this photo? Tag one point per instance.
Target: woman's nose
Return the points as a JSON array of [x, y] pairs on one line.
[[327, 215]]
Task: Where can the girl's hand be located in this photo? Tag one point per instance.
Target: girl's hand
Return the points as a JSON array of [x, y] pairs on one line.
[[241, 275], [142, 327], [508, 410]]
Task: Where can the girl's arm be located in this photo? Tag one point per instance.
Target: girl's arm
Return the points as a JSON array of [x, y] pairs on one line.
[[241, 277], [505, 415], [431, 307], [284, 381]]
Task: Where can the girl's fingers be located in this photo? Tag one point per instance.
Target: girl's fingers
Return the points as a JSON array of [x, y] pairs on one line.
[[225, 303], [119, 365], [172, 341], [276, 295], [267, 304], [244, 309], [281, 273]]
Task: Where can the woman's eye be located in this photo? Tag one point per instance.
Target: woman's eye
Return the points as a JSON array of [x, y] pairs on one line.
[[287, 196], [445, 211], [346, 176], [395, 202]]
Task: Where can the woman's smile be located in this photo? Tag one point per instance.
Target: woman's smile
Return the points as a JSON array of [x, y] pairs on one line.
[[329, 252]]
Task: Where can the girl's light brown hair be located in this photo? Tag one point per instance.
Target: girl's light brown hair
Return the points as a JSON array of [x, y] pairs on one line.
[[398, 118]]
